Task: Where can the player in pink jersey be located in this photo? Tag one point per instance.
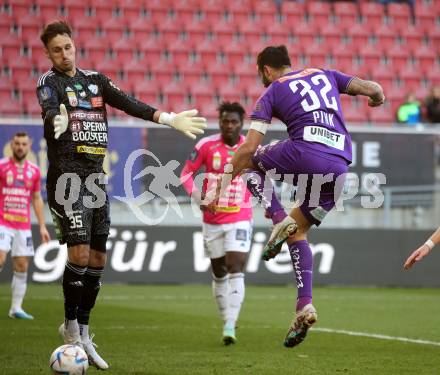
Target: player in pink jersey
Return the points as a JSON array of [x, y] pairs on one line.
[[19, 186], [227, 230]]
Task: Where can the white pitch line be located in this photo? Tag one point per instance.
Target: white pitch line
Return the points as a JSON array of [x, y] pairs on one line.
[[377, 336]]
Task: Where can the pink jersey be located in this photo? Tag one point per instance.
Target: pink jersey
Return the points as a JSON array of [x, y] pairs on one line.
[[212, 153], [17, 184]]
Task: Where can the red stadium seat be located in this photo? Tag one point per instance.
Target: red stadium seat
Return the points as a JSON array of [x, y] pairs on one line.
[[48, 10], [240, 10], [136, 71], [434, 36], [185, 10], [382, 115], [398, 56], [170, 28], [318, 11], [246, 73], [219, 73], [344, 53], [158, 8], [142, 28], [20, 8], [386, 36], [353, 113], [124, 49], [202, 94], [197, 31], [181, 49], [147, 91], [265, 10], [152, 49], [97, 48], [346, 12], [131, 9], [359, 33], [316, 54], [230, 92], [251, 31], [304, 33], [224, 31], [399, 14], [234, 53], [426, 57], [103, 9], [412, 36], [425, 15], [191, 71], [174, 93], [382, 74], [110, 68], [10, 45], [254, 92], [293, 12], [433, 75], [75, 9], [163, 72], [114, 28], [209, 111], [207, 51], [332, 33], [371, 54], [411, 77], [21, 69], [372, 13], [30, 103], [6, 23], [30, 26], [278, 32]]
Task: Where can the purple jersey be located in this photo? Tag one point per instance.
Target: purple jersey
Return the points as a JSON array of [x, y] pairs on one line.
[[308, 103]]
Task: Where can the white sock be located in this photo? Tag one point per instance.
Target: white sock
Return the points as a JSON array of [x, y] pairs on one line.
[[235, 298], [84, 331], [220, 294], [18, 286]]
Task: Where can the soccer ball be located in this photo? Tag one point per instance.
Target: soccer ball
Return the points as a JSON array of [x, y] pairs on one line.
[[69, 360]]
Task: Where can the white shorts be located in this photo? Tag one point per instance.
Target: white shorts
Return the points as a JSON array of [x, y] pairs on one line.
[[19, 240], [221, 238]]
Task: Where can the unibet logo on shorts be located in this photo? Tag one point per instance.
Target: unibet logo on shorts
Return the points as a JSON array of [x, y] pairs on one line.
[[91, 150]]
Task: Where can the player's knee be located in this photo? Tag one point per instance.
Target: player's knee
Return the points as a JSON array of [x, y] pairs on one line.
[[20, 267], [79, 254], [97, 259]]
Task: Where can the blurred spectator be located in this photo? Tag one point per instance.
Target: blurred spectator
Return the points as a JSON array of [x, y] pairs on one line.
[[409, 112], [433, 105]]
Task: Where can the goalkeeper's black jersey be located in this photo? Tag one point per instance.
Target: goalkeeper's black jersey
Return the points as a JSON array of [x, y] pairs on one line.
[[81, 149]]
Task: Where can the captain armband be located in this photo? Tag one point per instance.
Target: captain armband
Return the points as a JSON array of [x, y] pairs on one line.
[[259, 126]]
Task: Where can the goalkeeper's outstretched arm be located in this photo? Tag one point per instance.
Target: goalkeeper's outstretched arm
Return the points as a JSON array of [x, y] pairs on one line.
[[423, 250]]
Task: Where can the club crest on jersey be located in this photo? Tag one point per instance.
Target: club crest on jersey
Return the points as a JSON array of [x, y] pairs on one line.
[[78, 86], [97, 102], [44, 93], [82, 94], [29, 173], [216, 160], [9, 178], [93, 89], [73, 100]]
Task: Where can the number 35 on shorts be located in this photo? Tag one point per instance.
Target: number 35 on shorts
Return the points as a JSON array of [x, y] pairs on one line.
[[75, 221]]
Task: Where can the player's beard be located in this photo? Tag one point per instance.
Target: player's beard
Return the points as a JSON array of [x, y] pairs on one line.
[[19, 157]]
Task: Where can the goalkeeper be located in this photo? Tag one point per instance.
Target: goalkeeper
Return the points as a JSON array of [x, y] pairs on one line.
[[73, 104]]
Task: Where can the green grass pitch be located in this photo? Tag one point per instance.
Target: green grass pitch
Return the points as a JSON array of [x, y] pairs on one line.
[[158, 330]]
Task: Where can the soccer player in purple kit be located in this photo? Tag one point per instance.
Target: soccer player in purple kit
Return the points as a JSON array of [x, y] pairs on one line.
[[308, 102]]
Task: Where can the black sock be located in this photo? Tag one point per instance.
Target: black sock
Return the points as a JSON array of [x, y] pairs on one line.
[[72, 288], [90, 292]]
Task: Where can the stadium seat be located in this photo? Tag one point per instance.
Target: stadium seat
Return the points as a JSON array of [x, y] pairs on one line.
[[174, 93], [185, 10], [10, 45], [316, 54], [332, 34], [75, 9], [170, 28], [412, 37], [202, 94], [410, 76], [6, 23], [209, 111], [30, 102], [318, 11], [354, 113], [147, 91], [434, 36], [372, 13], [234, 53], [371, 54], [344, 53], [398, 56], [158, 8], [131, 9], [304, 33], [207, 52], [224, 30], [278, 32], [152, 49], [230, 92], [246, 73], [251, 31], [163, 72], [48, 10], [346, 12], [124, 49], [136, 70], [30, 26], [20, 8], [382, 74], [240, 10], [399, 14], [114, 28], [293, 12], [180, 49], [110, 68], [219, 73], [433, 75], [425, 15], [426, 57], [142, 28], [97, 48], [359, 33], [103, 9], [254, 92], [386, 36], [197, 31], [191, 72], [265, 10], [382, 115]]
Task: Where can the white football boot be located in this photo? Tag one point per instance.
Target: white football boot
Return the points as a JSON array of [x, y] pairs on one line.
[[94, 358], [71, 337], [303, 320], [280, 233]]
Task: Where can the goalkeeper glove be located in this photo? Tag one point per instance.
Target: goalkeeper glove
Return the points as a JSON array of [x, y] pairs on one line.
[[185, 122], [60, 121]]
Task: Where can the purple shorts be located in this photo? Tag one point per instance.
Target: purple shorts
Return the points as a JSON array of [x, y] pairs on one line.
[[302, 166]]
